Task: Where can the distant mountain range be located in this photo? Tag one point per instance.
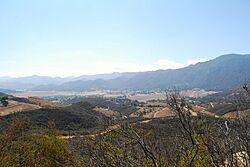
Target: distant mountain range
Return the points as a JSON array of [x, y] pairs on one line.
[[225, 72], [6, 91], [29, 82]]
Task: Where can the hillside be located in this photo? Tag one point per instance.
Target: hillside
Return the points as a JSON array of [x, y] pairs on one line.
[[17, 104], [78, 116], [224, 72]]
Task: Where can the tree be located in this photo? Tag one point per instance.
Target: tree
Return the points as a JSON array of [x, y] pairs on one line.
[[213, 142], [4, 100]]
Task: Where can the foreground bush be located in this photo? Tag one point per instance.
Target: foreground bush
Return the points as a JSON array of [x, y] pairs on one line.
[[20, 148]]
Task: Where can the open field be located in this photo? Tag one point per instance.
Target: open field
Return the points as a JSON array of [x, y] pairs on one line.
[[55, 93], [114, 94]]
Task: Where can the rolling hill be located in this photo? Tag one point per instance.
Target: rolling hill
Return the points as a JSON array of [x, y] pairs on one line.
[[81, 115], [18, 104]]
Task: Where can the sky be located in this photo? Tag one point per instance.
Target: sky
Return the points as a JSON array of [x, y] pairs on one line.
[[76, 37]]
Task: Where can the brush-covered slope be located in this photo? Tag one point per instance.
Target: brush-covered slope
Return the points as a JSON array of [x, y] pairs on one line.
[[75, 117]]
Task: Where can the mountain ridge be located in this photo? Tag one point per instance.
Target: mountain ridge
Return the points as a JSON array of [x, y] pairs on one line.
[[224, 72]]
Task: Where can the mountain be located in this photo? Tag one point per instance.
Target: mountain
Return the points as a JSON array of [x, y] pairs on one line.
[[99, 76], [90, 82], [46, 82], [7, 91], [2, 94], [4, 78], [225, 72], [30, 81]]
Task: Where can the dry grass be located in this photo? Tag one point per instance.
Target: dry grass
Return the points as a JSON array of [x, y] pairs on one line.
[[237, 114], [44, 103], [153, 112], [14, 107], [107, 112], [36, 103]]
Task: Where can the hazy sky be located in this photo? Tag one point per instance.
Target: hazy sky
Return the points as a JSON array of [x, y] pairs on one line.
[[74, 37]]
